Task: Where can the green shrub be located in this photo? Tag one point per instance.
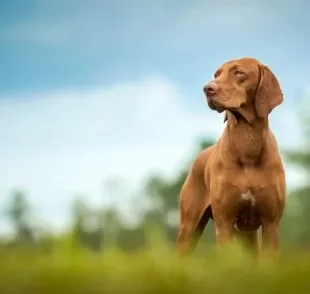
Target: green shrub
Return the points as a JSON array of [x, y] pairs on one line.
[[155, 269]]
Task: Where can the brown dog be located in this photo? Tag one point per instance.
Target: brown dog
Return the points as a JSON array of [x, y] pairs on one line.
[[240, 181]]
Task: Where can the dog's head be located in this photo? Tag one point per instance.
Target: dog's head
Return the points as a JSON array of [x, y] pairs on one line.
[[244, 84]]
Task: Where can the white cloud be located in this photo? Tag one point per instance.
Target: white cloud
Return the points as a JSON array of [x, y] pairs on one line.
[[150, 108], [59, 143]]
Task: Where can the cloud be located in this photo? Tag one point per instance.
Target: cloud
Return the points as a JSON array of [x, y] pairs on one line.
[[150, 108], [64, 142]]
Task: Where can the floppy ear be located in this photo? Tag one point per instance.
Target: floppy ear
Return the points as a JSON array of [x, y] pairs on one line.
[[268, 94]]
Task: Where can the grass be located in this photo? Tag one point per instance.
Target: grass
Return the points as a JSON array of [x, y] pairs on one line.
[[157, 268]]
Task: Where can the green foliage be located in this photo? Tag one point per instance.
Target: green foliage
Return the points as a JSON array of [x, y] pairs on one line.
[[298, 157], [295, 229], [156, 269], [19, 209]]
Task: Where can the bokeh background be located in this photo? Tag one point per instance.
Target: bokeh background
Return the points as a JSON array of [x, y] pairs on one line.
[[102, 112]]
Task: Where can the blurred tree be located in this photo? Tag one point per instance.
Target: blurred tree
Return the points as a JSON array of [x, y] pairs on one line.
[[130, 239], [164, 195], [87, 229], [109, 219], [295, 225], [18, 213], [80, 213]]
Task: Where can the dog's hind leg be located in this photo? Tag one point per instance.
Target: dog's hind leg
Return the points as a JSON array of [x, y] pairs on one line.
[[192, 225], [195, 210], [195, 205], [193, 221]]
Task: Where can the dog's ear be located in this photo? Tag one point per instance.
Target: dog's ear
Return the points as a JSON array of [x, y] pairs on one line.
[[268, 94]]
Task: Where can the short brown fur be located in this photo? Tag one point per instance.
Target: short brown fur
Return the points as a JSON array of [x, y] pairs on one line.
[[245, 159]]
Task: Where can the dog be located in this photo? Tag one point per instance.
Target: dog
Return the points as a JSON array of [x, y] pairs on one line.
[[239, 182]]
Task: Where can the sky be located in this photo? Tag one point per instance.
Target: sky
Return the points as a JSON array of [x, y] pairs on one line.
[[97, 90]]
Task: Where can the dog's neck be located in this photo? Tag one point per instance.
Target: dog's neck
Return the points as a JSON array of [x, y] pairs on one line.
[[246, 137]]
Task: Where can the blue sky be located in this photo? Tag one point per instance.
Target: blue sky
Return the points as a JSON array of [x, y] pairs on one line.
[[96, 89]]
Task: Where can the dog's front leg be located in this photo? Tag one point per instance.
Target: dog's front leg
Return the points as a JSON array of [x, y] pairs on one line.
[[224, 226], [270, 237], [223, 234], [194, 214], [271, 206], [224, 201]]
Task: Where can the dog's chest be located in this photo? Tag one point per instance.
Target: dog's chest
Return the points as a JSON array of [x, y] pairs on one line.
[[247, 218], [245, 193], [248, 196], [249, 181]]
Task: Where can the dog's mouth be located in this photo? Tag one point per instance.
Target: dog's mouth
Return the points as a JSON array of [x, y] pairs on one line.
[[215, 105], [218, 106]]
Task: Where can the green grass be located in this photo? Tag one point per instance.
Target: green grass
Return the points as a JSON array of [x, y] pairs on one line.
[[156, 269]]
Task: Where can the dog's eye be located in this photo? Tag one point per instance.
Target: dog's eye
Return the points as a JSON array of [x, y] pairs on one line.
[[238, 73]]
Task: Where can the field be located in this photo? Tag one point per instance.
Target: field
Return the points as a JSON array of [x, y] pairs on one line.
[[157, 268]]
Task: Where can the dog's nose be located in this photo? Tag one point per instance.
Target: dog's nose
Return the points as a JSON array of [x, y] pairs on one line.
[[210, 88]]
